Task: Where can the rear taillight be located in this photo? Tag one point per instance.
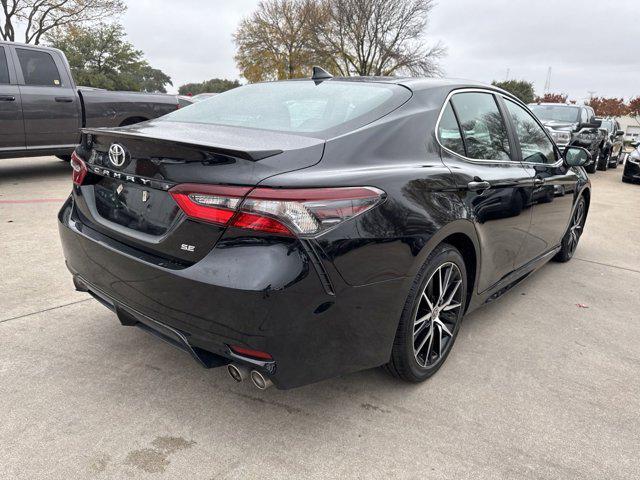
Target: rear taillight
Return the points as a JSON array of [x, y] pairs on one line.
[[211, 203], [79, 169], [301, 212]]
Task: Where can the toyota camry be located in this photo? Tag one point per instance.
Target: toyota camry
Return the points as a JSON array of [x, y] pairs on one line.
[[298, 230]]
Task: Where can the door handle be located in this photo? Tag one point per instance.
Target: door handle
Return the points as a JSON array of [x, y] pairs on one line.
[[478, 186], [538, 182], [7, 98], [64, 99]]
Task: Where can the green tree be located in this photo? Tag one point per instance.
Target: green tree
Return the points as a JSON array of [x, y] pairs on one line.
[[102, 58], [520, 88], [215, 85]]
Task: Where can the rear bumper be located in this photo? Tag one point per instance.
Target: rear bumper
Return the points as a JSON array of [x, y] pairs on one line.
[[266, 296]]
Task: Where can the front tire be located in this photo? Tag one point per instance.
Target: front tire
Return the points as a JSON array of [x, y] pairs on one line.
[[572, 237], [431, 317]]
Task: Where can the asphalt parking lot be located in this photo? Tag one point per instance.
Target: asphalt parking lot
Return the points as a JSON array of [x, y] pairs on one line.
[[542, 384]]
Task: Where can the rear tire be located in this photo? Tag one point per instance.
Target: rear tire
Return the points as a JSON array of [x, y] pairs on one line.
[[603, 161], [574, 232], [431, 317], [591, 168]]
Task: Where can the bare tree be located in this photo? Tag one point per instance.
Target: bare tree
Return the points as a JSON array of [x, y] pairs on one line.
[[41, 17], [11, 10], [376, 37], [273, 41]]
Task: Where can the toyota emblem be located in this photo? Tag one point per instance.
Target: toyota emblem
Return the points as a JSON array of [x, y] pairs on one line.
[[117, 155]]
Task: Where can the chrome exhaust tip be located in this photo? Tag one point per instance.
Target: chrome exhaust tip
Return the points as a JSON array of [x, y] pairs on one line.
[[238, 372], [260, 381]]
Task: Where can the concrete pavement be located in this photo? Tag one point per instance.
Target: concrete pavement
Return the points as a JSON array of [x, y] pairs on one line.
[[537, 386]]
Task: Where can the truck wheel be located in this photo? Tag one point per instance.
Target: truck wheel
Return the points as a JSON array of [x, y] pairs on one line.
[[431, 317]]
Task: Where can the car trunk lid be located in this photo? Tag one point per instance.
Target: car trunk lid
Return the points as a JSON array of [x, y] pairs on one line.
[[126, 194]]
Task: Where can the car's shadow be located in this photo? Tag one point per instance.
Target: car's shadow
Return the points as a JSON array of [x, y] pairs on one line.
[[26, 169]]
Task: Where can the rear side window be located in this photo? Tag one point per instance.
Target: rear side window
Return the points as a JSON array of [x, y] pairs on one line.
[[296, 106], [4, 68], [483, 128], [38, 68], [449, 132]]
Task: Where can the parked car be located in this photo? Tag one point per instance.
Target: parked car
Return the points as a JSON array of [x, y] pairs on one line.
[[203, 96], [612, 151], [184, 100], [631, 172], [574, 125], [299, 230], [43, 110]]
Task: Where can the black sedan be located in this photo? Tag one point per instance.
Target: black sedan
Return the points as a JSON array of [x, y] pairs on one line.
[[631, 172], [299, 230]]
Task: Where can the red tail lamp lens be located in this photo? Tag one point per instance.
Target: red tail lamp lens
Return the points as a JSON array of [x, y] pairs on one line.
[[79, 169], [211, 203], [304, 211]]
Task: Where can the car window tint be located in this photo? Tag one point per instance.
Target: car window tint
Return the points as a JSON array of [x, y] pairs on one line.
[[295, 106], [449, 132], [483, 128], [38, 68], [4, 68], [534, 143], [583, 116]]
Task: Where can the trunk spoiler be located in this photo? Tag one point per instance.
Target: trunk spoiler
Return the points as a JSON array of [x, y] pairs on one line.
[[251, 155]]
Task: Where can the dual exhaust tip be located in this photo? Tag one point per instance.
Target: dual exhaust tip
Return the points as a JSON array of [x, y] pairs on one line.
[[240, 374]]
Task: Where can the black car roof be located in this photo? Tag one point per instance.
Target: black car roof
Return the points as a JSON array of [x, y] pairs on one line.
[[416, 83]]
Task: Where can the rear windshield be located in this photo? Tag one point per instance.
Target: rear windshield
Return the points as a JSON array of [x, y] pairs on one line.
[[295, 106]]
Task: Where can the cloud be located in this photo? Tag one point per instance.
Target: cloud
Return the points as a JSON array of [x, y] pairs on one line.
[[590, 45]]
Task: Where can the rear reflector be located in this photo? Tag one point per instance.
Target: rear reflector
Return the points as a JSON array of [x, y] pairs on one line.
[[79, 169], [301, 212], [248, 352]]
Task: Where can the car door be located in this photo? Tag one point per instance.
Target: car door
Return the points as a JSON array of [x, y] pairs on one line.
[[554, 185], [479, 150], [50, 103], [12, 131]]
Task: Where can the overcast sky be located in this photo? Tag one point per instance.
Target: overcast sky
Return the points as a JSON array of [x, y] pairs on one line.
[[591, 45]]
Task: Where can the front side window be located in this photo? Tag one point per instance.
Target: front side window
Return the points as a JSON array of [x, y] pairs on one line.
[[534, 143], [449, 132], [584, 117], [38, 68], [296, 106], [483, 128], [4, 68]]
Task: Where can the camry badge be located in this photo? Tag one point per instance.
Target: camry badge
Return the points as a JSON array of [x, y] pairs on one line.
[[145, 195], [119, 189]]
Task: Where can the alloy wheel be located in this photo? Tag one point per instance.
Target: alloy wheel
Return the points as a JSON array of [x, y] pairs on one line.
[[575, 231], [437, 314]]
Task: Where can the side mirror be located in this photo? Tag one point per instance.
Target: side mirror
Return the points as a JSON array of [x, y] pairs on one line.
[[620, 133], [576, 156]]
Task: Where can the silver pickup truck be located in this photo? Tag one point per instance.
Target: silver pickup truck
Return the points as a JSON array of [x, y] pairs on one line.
[[42, 110]]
